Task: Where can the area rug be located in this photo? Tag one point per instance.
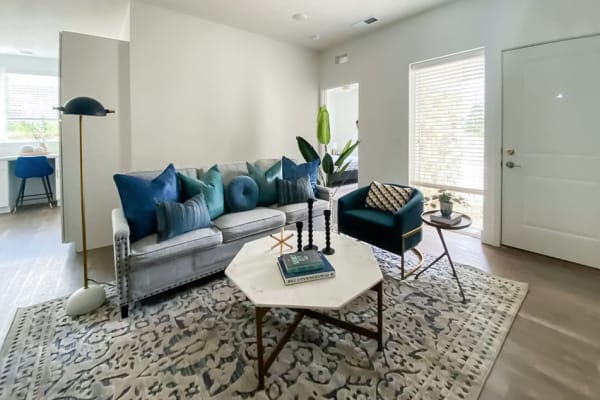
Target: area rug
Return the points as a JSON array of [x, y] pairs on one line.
[[199, 343]]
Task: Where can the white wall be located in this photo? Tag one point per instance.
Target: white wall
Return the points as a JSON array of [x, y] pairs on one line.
[[203, 92], [380, 62], [98, 68]]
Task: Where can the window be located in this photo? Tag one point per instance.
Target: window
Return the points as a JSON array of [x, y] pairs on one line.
[[29, 107], [447, 127]]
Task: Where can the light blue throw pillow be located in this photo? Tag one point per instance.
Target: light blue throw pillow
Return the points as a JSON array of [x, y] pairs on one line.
[[293, 171], [211, 185], [266, 181], [175, 218]]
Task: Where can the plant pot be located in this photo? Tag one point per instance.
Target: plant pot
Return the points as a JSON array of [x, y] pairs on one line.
[[446, 209]]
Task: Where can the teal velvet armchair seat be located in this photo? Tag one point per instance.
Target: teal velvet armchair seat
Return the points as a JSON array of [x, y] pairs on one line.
[[395, 232]]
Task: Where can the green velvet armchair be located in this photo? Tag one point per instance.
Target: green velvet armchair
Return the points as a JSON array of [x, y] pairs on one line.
[[395, 232]]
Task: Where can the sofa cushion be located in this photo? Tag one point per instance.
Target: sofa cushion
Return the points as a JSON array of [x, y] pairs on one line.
[[150, 250], [299, 211], [238, 225], [139, 196], [174, 218], [211, 184], [241, 194]]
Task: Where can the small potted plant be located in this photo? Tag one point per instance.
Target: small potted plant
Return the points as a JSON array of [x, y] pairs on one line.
[[446, 199]]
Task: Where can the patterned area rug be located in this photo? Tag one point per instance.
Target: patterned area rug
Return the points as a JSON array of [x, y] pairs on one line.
[[199, 343]]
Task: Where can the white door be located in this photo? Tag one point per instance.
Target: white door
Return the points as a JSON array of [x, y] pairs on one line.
[[551, 150]]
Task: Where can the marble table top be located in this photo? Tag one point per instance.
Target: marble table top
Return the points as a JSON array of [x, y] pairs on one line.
[[254, 270]]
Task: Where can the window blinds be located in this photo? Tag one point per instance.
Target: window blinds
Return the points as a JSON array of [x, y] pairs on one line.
[[31, 97], [448, 122]]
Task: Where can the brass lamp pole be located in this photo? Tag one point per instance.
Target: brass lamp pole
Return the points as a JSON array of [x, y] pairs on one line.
[[89, 297]]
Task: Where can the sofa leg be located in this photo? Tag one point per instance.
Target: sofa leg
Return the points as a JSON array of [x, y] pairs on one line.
[[124, 311]]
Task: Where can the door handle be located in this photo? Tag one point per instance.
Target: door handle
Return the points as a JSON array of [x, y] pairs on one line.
[[510, 164]]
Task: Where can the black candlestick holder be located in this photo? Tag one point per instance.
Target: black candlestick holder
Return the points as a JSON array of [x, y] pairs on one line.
[[328, 249], [310, 245], [299, 225]]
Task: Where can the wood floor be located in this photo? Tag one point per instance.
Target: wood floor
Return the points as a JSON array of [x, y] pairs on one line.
[[552, 351]]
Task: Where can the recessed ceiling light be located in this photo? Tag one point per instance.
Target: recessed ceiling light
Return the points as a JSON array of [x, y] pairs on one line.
[[300, 17], [316, 36], [25, 52]]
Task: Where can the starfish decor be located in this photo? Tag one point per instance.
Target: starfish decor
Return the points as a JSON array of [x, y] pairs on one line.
[[282, 241]]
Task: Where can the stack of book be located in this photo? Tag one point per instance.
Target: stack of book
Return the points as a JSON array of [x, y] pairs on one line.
[[304, 266], [453, 219]]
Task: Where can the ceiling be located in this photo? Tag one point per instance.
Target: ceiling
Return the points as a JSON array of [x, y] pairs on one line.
[[32, 26], [331, 19]]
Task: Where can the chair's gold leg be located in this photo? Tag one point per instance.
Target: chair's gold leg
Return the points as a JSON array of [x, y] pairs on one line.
[[419, 264]]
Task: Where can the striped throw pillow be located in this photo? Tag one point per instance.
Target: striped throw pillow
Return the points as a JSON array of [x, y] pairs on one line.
[[294, 191], [387, 197]]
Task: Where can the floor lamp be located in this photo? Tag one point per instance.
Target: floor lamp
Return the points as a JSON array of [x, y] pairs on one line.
[[89, 297]]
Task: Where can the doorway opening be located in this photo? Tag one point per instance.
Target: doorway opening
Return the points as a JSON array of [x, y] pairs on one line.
[[342, 104]]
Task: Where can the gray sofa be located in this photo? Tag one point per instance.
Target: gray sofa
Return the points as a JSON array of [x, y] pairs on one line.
[[147, 267]]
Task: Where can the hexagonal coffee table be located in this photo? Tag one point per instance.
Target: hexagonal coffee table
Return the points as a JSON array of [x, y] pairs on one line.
[[254, 270]]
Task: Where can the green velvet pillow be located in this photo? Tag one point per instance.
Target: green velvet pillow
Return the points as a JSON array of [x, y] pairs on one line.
[[266, 181], [211, 185], [294, 191]]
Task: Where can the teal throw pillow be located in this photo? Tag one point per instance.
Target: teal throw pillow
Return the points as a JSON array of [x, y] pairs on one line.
[[291, 170], [211, 185], [294, 191], [173, 218], [266, 181], [241, 194]]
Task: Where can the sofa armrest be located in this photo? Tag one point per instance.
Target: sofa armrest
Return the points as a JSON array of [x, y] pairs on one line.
[[119, 225], [408, 217], [353, 200], [121, 254], [323, 193]]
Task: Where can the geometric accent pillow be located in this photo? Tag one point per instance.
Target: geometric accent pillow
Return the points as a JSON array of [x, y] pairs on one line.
[[266, 181], [387, 197], [175, 218], [139, 196], [211, 185]]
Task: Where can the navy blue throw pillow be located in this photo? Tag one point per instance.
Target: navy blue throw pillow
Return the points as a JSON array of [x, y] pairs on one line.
[[293, 171], [294, 191], [241, 194], [139, 197], [175, 218]]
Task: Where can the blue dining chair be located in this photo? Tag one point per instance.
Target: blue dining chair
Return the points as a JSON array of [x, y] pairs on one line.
[[33, 167]]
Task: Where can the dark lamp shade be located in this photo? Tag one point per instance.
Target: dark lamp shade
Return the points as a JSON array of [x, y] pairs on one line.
[[84, 106]]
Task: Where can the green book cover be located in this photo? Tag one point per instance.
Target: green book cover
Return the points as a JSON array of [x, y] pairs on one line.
[[303, 261]]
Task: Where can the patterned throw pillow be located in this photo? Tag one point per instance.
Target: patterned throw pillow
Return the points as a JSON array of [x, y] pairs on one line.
[[266, 181], [387, 197], [175, 218], [294, 191]]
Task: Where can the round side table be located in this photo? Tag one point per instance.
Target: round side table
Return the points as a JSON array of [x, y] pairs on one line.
[[464, 223]]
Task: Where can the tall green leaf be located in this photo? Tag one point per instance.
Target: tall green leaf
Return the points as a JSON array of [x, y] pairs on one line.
[[323, 130], [345, 154], [306, 149]]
